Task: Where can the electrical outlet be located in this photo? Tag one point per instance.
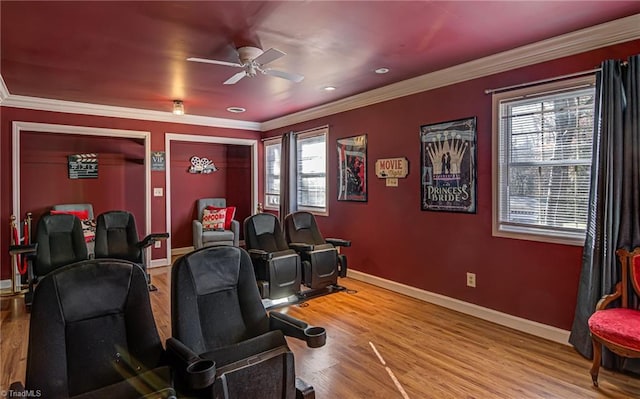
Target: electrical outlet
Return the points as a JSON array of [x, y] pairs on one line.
[[471, 280], [157, 244]]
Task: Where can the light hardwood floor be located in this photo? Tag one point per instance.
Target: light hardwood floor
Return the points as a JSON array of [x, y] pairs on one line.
[[432, 352]]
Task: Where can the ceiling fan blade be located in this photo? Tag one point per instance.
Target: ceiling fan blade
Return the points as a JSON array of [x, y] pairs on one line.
[[294, 77], [268, 56], [207, 61], [235, 78]]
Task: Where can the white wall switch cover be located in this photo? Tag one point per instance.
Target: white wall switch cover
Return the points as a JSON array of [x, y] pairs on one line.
[[157, 191]]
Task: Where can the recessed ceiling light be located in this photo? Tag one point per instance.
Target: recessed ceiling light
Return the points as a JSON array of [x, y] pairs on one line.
[[236, 110], [382, 70], [329, 88]]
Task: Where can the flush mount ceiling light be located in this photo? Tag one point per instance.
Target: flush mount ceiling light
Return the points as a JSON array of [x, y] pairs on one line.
[[329, 88], [178, 107], [236, 110], [382, 70]]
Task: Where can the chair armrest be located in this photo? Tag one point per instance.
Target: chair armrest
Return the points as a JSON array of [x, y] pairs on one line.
[[151, 238], [338, 242], [607, 299], [260, 254], [301, 246], [196, 227], [198, 373], [315, 337], [23, 249], [235, 228]]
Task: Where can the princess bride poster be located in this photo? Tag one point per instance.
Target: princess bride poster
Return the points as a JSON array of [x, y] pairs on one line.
[[448, 166]]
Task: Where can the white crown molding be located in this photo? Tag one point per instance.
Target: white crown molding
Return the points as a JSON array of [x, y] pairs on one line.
[[4, 92], [517, 323], [607, 34], [46, 104]]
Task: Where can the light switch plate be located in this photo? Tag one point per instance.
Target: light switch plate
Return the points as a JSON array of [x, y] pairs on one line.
[[157, 191]]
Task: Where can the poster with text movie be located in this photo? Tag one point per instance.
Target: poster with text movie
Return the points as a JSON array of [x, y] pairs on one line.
[[352, 168], [448, 166]]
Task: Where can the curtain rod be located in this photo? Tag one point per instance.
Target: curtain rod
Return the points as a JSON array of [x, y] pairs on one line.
[[312, 129], [537, 82], [300, 132]]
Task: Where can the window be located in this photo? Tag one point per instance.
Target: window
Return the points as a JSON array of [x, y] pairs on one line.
[[542, 161], [311, 160], [272, 174]]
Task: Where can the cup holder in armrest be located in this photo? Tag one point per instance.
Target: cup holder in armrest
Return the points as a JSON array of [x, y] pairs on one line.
[[315, 336], [201, 373]]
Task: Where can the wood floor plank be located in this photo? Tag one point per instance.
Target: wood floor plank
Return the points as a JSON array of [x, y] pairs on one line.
[[432, 351]]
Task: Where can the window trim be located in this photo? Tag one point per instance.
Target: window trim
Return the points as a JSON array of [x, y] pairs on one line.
[[268, 142], [322, 131], [527, 232]]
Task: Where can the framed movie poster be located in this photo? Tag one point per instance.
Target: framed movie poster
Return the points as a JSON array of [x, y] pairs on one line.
[[352, 168], [448, 166]]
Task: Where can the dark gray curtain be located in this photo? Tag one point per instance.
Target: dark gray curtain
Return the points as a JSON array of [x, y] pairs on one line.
[[288, 189], [614, 208]]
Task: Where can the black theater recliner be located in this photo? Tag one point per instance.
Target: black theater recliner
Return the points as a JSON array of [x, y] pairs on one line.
[[117, 238], [277, 268], [224, 344], [322, 264], [92, 335], [59, 242]]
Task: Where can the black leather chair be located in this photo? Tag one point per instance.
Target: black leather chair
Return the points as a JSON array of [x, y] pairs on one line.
[[59, 241], [277, 268], [224, 344], [117, 237], [92, 335], [321, 261]]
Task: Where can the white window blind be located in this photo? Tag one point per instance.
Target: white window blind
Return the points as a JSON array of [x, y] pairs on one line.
[[545, 139], [272, 150], [311, 161]]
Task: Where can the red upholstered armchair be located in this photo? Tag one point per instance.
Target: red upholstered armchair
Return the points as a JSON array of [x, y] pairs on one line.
[[618, 328]]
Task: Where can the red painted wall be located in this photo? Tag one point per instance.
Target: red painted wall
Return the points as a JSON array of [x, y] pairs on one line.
[[157, 129], [45, 181], [239, 182], [393, 239], [232, 181]]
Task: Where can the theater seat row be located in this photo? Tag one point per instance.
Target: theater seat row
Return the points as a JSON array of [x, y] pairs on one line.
[[92, 333]]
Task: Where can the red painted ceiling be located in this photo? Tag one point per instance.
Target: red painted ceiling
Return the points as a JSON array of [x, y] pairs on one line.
[[133, 54]]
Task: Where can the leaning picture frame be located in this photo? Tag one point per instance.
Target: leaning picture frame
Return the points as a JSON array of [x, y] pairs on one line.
[[352, 168], [448, 166]]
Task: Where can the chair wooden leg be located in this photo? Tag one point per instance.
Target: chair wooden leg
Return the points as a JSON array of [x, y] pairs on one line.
[[597, 357]]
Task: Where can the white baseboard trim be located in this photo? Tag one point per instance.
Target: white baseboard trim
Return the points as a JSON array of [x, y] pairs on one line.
[[517, 323], [5, 284], [181, 251], [159, 262]]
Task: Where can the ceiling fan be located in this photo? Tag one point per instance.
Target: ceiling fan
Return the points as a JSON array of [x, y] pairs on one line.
[[252, 60]]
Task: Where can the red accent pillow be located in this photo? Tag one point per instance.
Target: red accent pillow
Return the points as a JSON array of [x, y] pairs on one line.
[[213, 219], [231, 213], [82, 215]]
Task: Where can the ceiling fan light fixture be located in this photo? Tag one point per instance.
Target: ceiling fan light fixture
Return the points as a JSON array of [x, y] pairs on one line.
[[382, 70], [236, 110], [178, 107]]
